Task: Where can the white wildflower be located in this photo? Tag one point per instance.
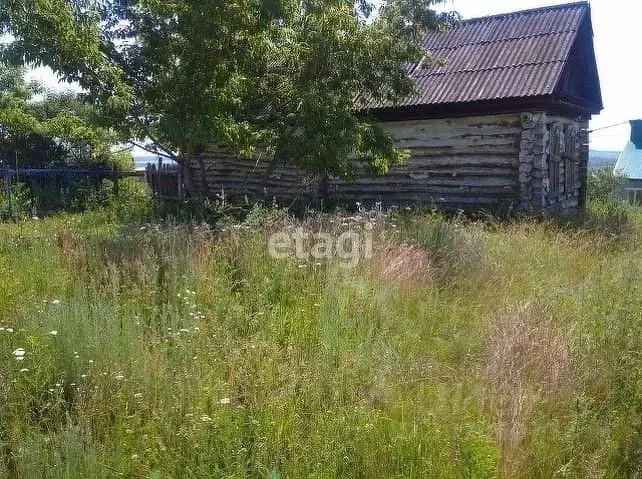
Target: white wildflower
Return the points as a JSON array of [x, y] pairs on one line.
[[53, 333], [24, 370], [55, 302], [19, 354], [119, 377], [225, 401]]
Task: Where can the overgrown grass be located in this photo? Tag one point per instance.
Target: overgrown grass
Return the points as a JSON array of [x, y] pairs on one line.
[[458, 350]]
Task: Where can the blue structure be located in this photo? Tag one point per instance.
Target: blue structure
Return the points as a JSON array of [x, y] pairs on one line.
[[629, 164]]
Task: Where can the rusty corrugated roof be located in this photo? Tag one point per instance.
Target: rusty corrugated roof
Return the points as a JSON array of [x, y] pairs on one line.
[[509, 56]]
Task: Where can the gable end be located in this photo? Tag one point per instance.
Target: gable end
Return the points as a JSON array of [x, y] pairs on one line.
[[579, 82]]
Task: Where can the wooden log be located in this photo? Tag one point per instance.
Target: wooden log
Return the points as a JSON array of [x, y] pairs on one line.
[[457, 160]]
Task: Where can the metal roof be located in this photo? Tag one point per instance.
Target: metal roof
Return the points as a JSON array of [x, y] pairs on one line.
[[629, 163], [509, 56]]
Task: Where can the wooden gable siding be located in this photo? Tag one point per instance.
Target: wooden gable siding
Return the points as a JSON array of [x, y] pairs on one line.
[[466, 163]]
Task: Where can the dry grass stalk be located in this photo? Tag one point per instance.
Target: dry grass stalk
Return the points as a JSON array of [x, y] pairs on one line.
[[404, 264], [528, 358]]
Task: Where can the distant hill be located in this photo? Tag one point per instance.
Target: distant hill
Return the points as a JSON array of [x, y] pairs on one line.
[[142, 161], [601, 159]]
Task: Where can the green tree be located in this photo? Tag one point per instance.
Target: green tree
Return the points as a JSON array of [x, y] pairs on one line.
[[38, 128], [284, 76]]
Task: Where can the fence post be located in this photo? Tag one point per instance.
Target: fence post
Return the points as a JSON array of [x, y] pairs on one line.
[[10, 195], [7, 192], [116, 179], [159, 177], [179, 179]]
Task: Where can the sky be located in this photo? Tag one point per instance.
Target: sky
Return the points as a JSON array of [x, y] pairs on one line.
[[618, 44]]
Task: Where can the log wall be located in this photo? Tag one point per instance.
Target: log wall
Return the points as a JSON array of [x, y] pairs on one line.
[[553, 164], [460, 163], [474, 163]]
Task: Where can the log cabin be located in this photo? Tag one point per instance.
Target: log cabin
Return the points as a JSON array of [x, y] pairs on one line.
[[498, 124]]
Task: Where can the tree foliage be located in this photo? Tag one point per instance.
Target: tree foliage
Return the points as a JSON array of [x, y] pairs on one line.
[[282, 77], [40, 128]]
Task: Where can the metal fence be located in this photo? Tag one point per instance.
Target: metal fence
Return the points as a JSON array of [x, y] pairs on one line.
[[53, 189]]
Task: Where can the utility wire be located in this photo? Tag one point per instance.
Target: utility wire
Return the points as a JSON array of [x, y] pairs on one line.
[[607, 127]]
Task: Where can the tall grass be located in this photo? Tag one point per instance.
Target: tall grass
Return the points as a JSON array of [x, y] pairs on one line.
[[458, 350]]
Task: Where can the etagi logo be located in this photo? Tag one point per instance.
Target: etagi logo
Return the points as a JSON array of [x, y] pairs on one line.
[[349, 247]]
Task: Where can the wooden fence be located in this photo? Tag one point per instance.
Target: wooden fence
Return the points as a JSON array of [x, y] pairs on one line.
[[165, 180]]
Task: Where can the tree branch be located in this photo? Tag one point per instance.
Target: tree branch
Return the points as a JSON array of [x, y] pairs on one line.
[[167, 151], [157, 151]]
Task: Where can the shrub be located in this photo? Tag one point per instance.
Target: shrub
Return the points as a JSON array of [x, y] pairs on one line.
[[134, 201], [262, 216], [604, 185], [15, 200], [607, 210]]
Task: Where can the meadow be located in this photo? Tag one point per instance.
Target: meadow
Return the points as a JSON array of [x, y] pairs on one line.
[[461, 349]]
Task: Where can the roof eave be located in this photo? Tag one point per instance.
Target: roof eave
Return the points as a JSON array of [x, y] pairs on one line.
[[562, 106]]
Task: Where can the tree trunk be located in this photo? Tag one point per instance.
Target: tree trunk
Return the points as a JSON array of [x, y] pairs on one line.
[[322, 192], [190, 187], [203, 183], [188, 158]]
